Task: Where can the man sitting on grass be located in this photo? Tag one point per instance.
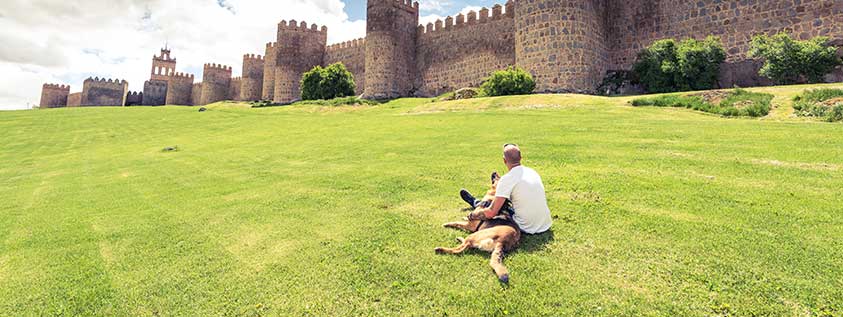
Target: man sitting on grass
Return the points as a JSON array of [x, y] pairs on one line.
[[524, 188]]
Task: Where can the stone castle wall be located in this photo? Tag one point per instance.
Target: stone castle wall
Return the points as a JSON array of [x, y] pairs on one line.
[[299, 49], [196, 95], [155, 92], [567, 45], [391, 34], [269, 61], [234, 89], [252, 82], [104, 92], [636, 24], [216, 81], [353, 55], [54, 96], [462, 52], [180, 90], [134, 98], [74, 99]]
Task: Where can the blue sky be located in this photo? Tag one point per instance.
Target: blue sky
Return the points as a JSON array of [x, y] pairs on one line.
[[356, 9]]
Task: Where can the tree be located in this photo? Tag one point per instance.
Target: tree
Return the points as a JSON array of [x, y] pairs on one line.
[[334, 81], [789, 61], [512, 81], [668, 66]]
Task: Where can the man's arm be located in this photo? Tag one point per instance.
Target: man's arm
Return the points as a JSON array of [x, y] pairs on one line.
[[489, 213]]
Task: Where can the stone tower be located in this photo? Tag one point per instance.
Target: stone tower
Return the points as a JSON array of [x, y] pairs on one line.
[[54, 96], [562, 43], [163, 66], [299, 49], [269, 72], [180, 89], [391, 33], [252, 82], [216, 82]]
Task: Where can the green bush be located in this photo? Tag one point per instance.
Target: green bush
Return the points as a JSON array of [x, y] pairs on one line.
[[815, 103], [512, 81], [334, 81], [737, 103], [343, 101], [668, 66], [789, 61]]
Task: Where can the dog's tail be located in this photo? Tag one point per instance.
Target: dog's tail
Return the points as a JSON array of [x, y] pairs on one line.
[[497, 263]]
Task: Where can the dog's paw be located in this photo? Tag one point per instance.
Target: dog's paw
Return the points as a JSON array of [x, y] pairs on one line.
[[504, 278], [440, 250]]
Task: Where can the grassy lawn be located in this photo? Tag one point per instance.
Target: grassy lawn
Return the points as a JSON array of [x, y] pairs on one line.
[[312, 210]]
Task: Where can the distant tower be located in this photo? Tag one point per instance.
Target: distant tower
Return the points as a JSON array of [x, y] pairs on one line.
[[163, 66], [299, 49], [269, 72], [562, 43], [391, 32], [216, 82], [252, 82], [54, 96]]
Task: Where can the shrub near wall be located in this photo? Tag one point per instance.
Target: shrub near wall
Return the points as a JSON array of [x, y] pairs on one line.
[[334, 81], [670, 66], [512, 81], [788, 61]]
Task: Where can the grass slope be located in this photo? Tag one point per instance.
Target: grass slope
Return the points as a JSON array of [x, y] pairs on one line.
[[312, 210]]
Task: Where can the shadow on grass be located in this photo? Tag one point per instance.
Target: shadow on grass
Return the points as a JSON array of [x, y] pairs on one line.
[[535, 242]]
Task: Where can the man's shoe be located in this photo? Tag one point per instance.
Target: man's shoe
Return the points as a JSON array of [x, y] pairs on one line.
[[467, 197]]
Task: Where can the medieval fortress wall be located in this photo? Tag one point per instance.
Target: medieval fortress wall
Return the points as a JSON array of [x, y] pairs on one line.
[[568, 46]]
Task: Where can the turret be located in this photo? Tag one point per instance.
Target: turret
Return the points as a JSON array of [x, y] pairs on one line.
[[163, 65], [180, 89], [562, 43], [268, 91], [216, 81], [391, 32], [252, 82], [299, 49], [54, 96]]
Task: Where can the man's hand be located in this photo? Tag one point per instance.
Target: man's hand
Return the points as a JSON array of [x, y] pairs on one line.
[[479, 214]]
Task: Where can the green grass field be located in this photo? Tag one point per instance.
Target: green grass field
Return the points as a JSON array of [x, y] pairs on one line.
[[310, 210]]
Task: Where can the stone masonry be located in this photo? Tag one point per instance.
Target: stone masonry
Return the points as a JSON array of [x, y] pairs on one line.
[[568, 46]]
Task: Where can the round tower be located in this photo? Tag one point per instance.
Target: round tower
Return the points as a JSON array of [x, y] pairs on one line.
[[562, 43], [391, 32], [252, 82], [268, 91], [299, 49], [216, 82]]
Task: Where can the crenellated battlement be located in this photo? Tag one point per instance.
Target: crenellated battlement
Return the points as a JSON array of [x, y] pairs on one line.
[[473, 18], [361, 42], [301, 27], [254, 57], [408, 5], [104, 80], [178, 75], [214, 66], [57, 87], [271, 45]]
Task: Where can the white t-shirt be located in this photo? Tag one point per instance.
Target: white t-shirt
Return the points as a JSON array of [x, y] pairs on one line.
[[523, 186]]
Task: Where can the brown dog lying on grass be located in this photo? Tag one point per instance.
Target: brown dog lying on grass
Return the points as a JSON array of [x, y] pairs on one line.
[[497, 235]]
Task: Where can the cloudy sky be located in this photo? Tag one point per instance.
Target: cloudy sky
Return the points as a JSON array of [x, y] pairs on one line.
[[64, 42]]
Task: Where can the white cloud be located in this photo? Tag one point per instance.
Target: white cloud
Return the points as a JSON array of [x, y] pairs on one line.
[[64, 42]]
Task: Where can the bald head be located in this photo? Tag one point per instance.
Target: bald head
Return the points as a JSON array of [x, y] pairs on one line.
[[512, 154]]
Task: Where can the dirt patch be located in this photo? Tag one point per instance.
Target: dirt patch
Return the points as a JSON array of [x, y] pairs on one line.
[[832, 102], [712, 97]]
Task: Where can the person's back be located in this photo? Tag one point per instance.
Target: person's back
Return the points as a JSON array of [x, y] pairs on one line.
[[523, 186]]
